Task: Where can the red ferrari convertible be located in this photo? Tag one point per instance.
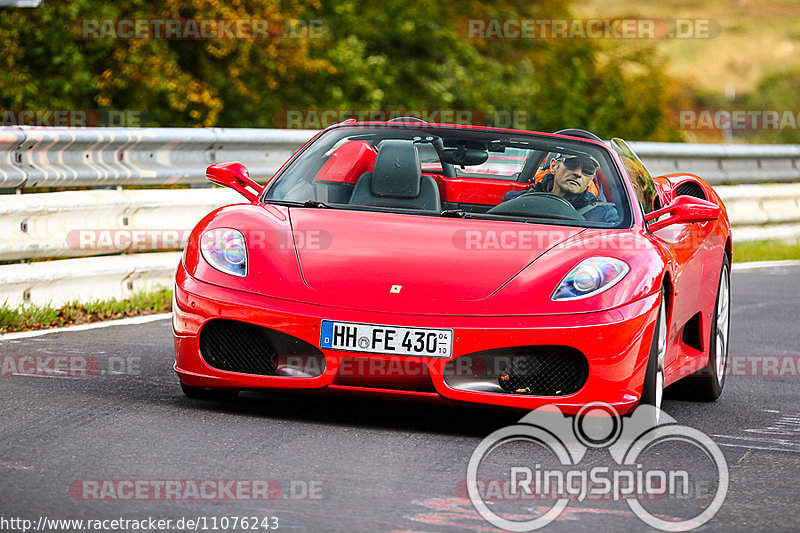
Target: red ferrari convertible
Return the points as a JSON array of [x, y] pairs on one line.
[[461, 264]]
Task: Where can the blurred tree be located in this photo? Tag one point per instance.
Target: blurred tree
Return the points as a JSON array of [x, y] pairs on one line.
[[414, 55], [46, 64], [777, 91], [775, 94], [393, 54]]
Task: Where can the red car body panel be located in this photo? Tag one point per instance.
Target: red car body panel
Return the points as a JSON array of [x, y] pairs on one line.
[[461, 274], [310, 265], [470, 190], [626, 332], [348, 162]]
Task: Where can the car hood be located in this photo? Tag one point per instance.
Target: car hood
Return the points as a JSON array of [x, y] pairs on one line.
[[381, 259]]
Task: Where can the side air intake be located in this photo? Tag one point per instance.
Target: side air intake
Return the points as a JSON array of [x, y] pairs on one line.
[[691, 188]]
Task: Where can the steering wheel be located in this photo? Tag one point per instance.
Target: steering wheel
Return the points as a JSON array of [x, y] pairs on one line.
[[548, 195], [539, 204]]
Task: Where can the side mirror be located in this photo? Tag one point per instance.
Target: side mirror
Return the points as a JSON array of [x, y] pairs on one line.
[[682, 210], [236, 176]]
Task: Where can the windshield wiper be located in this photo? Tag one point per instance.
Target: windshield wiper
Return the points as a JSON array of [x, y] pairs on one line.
[[455, 213], [314, 203], [292, 203]]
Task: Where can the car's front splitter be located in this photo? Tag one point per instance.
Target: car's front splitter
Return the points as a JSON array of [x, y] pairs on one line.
[[616, 344]]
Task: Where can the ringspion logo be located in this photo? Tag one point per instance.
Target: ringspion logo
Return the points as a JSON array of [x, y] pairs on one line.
[[559, 474]]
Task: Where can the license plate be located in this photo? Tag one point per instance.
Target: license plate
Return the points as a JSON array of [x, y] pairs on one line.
[[375, 338]]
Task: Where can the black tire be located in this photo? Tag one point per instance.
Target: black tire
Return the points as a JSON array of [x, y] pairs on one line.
[[653, 389], [706, 385], [201, 393]]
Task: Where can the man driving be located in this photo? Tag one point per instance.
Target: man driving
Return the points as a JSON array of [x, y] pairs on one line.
[[572, 177]]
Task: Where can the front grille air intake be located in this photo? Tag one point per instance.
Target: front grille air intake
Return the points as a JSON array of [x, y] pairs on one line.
[[550, 371], [237, 347], [546, 370], [241, 347]]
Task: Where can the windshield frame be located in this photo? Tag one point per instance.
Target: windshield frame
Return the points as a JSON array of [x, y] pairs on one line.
[[625, 206]]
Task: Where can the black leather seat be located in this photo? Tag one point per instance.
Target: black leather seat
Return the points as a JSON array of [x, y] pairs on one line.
[[397, 180]]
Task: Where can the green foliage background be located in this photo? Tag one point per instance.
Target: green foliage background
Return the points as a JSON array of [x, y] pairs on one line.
[[378, 55]]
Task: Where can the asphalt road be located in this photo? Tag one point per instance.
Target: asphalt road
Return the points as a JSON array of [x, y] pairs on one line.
[[354, 464]]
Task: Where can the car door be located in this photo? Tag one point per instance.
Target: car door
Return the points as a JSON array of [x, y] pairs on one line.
[[680, 239]]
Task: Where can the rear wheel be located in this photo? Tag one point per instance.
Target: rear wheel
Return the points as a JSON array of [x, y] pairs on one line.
[[202, 393], [706, 385], [653, 389]]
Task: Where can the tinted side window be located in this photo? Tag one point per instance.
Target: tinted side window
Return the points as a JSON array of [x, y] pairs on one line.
[[640, 177]]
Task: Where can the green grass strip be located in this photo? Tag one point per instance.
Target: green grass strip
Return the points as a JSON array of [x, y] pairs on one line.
[[31, 317], [744, 252]]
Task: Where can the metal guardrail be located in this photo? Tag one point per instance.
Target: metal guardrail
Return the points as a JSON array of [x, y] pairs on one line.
[[113, 220], [98, 222], [74, 157], [70, 157], [723, 164], [87, 278]]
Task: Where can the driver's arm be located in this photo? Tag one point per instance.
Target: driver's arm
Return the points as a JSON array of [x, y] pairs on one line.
[[537, 180], [513, 194], [604, 213]]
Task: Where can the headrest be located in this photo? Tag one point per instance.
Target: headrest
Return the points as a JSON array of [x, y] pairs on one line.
[[397, 172]]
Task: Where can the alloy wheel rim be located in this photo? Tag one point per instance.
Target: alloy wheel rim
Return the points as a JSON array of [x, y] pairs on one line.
[[660, 357], [721, 333]]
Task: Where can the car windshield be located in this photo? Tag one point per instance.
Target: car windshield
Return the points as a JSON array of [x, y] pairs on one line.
[[456, 172]]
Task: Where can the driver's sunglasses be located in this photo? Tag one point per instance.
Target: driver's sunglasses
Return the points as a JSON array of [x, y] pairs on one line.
[[587, 164]]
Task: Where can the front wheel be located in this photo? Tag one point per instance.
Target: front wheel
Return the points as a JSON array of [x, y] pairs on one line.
[[706, 385], [653, 389]]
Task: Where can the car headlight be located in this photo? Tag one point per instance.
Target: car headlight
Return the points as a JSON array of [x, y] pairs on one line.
[[225, 250], [590, 277]]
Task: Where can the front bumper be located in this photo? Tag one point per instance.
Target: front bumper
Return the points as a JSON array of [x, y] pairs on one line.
[[616, 344]]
